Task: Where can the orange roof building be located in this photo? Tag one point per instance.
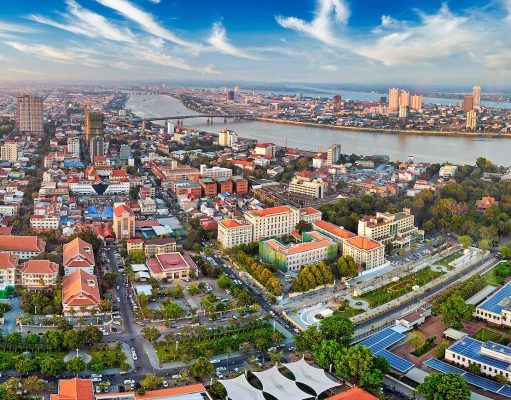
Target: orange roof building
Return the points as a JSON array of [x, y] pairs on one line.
[[8, 265], [337, 233], [38, 274], [80, 289], [367, 253], [273, 222], [124, 222], [486, 202], [74, 389], [78, 254], [232, 232], [354, 393], [315, 248], [25, 247]]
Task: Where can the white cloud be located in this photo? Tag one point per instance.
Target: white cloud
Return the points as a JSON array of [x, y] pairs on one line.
[[158, 58], [16, 28], [84, 22], [219, 41], [328, 68], [65, 56], [145, 20], [327, 13], [155, 1]]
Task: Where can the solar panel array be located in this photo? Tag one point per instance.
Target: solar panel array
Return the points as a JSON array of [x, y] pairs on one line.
[[479, 381], [378, 344], [471, 348], [496, 302]]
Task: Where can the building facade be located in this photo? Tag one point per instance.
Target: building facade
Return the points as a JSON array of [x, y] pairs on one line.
[[38, 274], [233, 232], [30, 113], [124, 222], [9, 151], [273, 222], [333, 154], [314, 188], [366, 253], [93, 124]]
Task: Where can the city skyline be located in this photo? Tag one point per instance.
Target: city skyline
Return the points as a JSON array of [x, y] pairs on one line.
[[320, 41]]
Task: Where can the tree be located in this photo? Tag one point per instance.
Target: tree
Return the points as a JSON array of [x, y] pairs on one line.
[[474, 368], [417, 339], [506, 252], [151, 382], [354, 363], [246, 347], [14, 340], [484, 244], [25, 365], [110, 278], [346, 267], [73, 340], [223, 282], [303, 226], [275, 356], [152, 334], [11, 385], [32, 340], [76, 365], [49, 365], [454, 309], [137, 256], [34, 385], [308, 340], [328, 352], [202, 368], [444, 387], [339, 328], [52, 340], [466, 241]]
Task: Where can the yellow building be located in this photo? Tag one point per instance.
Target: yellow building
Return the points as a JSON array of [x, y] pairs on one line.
[[9, 151], [124, 222], [232, 232], [93, 125], [366, 253]]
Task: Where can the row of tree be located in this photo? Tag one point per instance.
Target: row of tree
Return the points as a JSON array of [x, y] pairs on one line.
[[312, 276]]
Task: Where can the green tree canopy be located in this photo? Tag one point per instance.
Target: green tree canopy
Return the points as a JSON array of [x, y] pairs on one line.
[[444, 387], [202, 368], [339, 328]]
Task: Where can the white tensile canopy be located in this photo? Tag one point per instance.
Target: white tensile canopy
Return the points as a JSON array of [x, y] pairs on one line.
[[311, 376], [279, 386], [239, 388]]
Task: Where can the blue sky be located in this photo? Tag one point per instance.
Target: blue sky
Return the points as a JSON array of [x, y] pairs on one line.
[[332, 41]]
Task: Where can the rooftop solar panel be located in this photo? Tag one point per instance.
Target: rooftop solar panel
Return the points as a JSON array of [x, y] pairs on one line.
[[443, 367], [396, 362], [499, 300], [483, 383], [377, 337], [472, 348], [505, 390], [387, 342]]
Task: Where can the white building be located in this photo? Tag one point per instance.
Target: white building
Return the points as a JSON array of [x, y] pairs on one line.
[[333, 154], [147, 206], [8, 210], [273, 222], [314, 188], [73, 146], [8, 265], [232, 232], [9, 151], [45, 222], [227, 138], [447, 171], [265, 149], [215, 172]]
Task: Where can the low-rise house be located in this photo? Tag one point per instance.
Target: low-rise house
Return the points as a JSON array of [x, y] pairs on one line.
[[486, 202], [78, 254], [171, 266], [80, 293]]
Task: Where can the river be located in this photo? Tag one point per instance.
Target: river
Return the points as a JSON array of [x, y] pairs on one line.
[[458, 150]]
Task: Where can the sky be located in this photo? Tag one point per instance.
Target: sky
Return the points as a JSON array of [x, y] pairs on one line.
[[429, 42]]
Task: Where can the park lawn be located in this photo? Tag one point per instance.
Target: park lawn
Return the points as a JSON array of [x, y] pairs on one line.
[[450, 258], [493, 279], [484, 335], [348, 311], [401, 287], [227, 343]]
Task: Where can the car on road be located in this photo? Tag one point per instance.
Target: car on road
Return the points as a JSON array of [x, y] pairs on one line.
[[165, 384], [221, 369], [219, 375], [237, 370], [215, 361], [177, 376]]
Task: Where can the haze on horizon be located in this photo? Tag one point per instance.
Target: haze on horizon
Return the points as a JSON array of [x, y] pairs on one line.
[[459, 43]]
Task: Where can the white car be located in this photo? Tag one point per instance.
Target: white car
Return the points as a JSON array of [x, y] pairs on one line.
[[177, 376], [134, 356], [165, 384], [219, 375], [220, 369], [215, 361]]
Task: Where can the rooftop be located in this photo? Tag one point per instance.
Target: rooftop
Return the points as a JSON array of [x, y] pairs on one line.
[[272, 211], [363, 243], [333, 229], [169, 262], [498, 301]]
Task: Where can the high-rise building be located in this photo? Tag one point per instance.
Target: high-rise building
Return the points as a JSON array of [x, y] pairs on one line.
[[403, 112], [96, 147], [471, 119], [333, 154], [476, 92], [394, 99], [124, 152], [230, 95], [468, 103], [9, 151], [417, 102], [227, 138], [404, 99], [124, 222], [93, 124], [30, 113], [73, 145], [337, 102]]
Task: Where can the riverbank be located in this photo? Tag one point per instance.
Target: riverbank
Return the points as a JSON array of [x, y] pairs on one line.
[[386, 131]]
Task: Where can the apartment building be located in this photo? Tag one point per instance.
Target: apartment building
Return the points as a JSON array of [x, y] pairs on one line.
[[124, 222], [186, 187], [333, 154], [73, 146], [273, 222], [9, 151], [398, 229], [314, 248], [232, 232], [240, 185], [45, 222], [314, 188], [215, 172], [38, 274], [8, 266], [152, 247], [310, 215], [227, 138], [25, 247], [447, 171], [30, 113], [265, 149], [366, 253]]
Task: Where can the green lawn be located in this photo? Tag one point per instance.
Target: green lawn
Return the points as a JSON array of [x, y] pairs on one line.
[[450, 258], [403, 286], [496, 275], [485, 334], [346, 310]]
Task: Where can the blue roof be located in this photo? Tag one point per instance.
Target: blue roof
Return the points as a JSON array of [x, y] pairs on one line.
[[483, 383], [471, 348], [498, 301], [93, 212], [396, 362]]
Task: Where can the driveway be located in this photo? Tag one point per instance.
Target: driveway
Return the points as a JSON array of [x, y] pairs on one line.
[[10, 317]]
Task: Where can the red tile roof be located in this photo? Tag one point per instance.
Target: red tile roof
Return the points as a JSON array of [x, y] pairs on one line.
[[271, 211], [121, 209], [74, 389], [80, 289], [78, 253], [334, 229], [355, 393], [363, 243], [169, 262], [8, 260], [21, 243], [39, 267]]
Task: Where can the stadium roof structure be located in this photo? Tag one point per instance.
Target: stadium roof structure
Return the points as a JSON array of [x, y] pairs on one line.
[[240, 388], [279, 386], [311, 376]]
